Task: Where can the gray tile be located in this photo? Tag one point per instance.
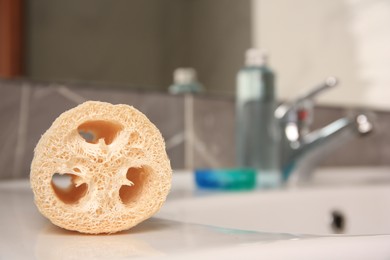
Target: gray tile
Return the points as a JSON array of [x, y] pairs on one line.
[[356, 152], [325, 115], [114, 96], [166, 112], [9, 119], [46, 104], [176, 156], [214, 123], [383, 140], [360, 150]]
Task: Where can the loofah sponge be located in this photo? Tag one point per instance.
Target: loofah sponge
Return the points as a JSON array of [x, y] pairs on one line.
[[116, 160]]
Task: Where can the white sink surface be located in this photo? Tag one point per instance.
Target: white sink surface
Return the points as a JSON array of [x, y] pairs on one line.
[[26, 234], [358, 210], [320, 210], [238, 225]]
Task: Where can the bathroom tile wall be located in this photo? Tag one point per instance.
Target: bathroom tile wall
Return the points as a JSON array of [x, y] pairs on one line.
[[199, 130], [9, 120], [214, 125], [28, 109], [372, 149], [138, 42]]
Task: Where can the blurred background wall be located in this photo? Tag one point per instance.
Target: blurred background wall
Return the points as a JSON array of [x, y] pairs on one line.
[[125, 51], [137, 43]]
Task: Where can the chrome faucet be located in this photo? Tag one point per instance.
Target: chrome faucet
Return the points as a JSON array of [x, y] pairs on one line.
[[300, 150]]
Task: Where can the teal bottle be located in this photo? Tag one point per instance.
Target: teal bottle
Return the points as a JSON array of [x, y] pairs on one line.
[[256, 129]]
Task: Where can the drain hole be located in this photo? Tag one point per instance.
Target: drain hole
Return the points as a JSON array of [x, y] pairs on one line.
[[338, 222], [65, 188], [93, 131], [138, 176]]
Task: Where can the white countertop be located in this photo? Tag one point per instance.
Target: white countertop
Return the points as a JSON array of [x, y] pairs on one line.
[[26, 234]]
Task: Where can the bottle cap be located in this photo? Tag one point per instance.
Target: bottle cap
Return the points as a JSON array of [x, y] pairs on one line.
[[184, 76], [255, 57]]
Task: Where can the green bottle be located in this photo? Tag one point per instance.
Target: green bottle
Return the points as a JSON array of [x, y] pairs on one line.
[[256, 129]]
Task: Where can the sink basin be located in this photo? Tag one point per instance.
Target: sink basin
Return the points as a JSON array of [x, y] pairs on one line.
[[360, 209], [319, 210]]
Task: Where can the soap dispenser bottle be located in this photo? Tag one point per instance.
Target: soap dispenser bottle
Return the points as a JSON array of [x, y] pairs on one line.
[[256, 130]]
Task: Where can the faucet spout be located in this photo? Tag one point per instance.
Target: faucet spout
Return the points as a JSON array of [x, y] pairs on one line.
[[303, 156], [301, 150]]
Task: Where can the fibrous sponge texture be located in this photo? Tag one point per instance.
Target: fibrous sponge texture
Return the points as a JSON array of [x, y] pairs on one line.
[[116, 161]]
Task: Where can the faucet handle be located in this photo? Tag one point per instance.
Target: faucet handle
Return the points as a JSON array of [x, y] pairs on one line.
[[328, 83], [284, 110]]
